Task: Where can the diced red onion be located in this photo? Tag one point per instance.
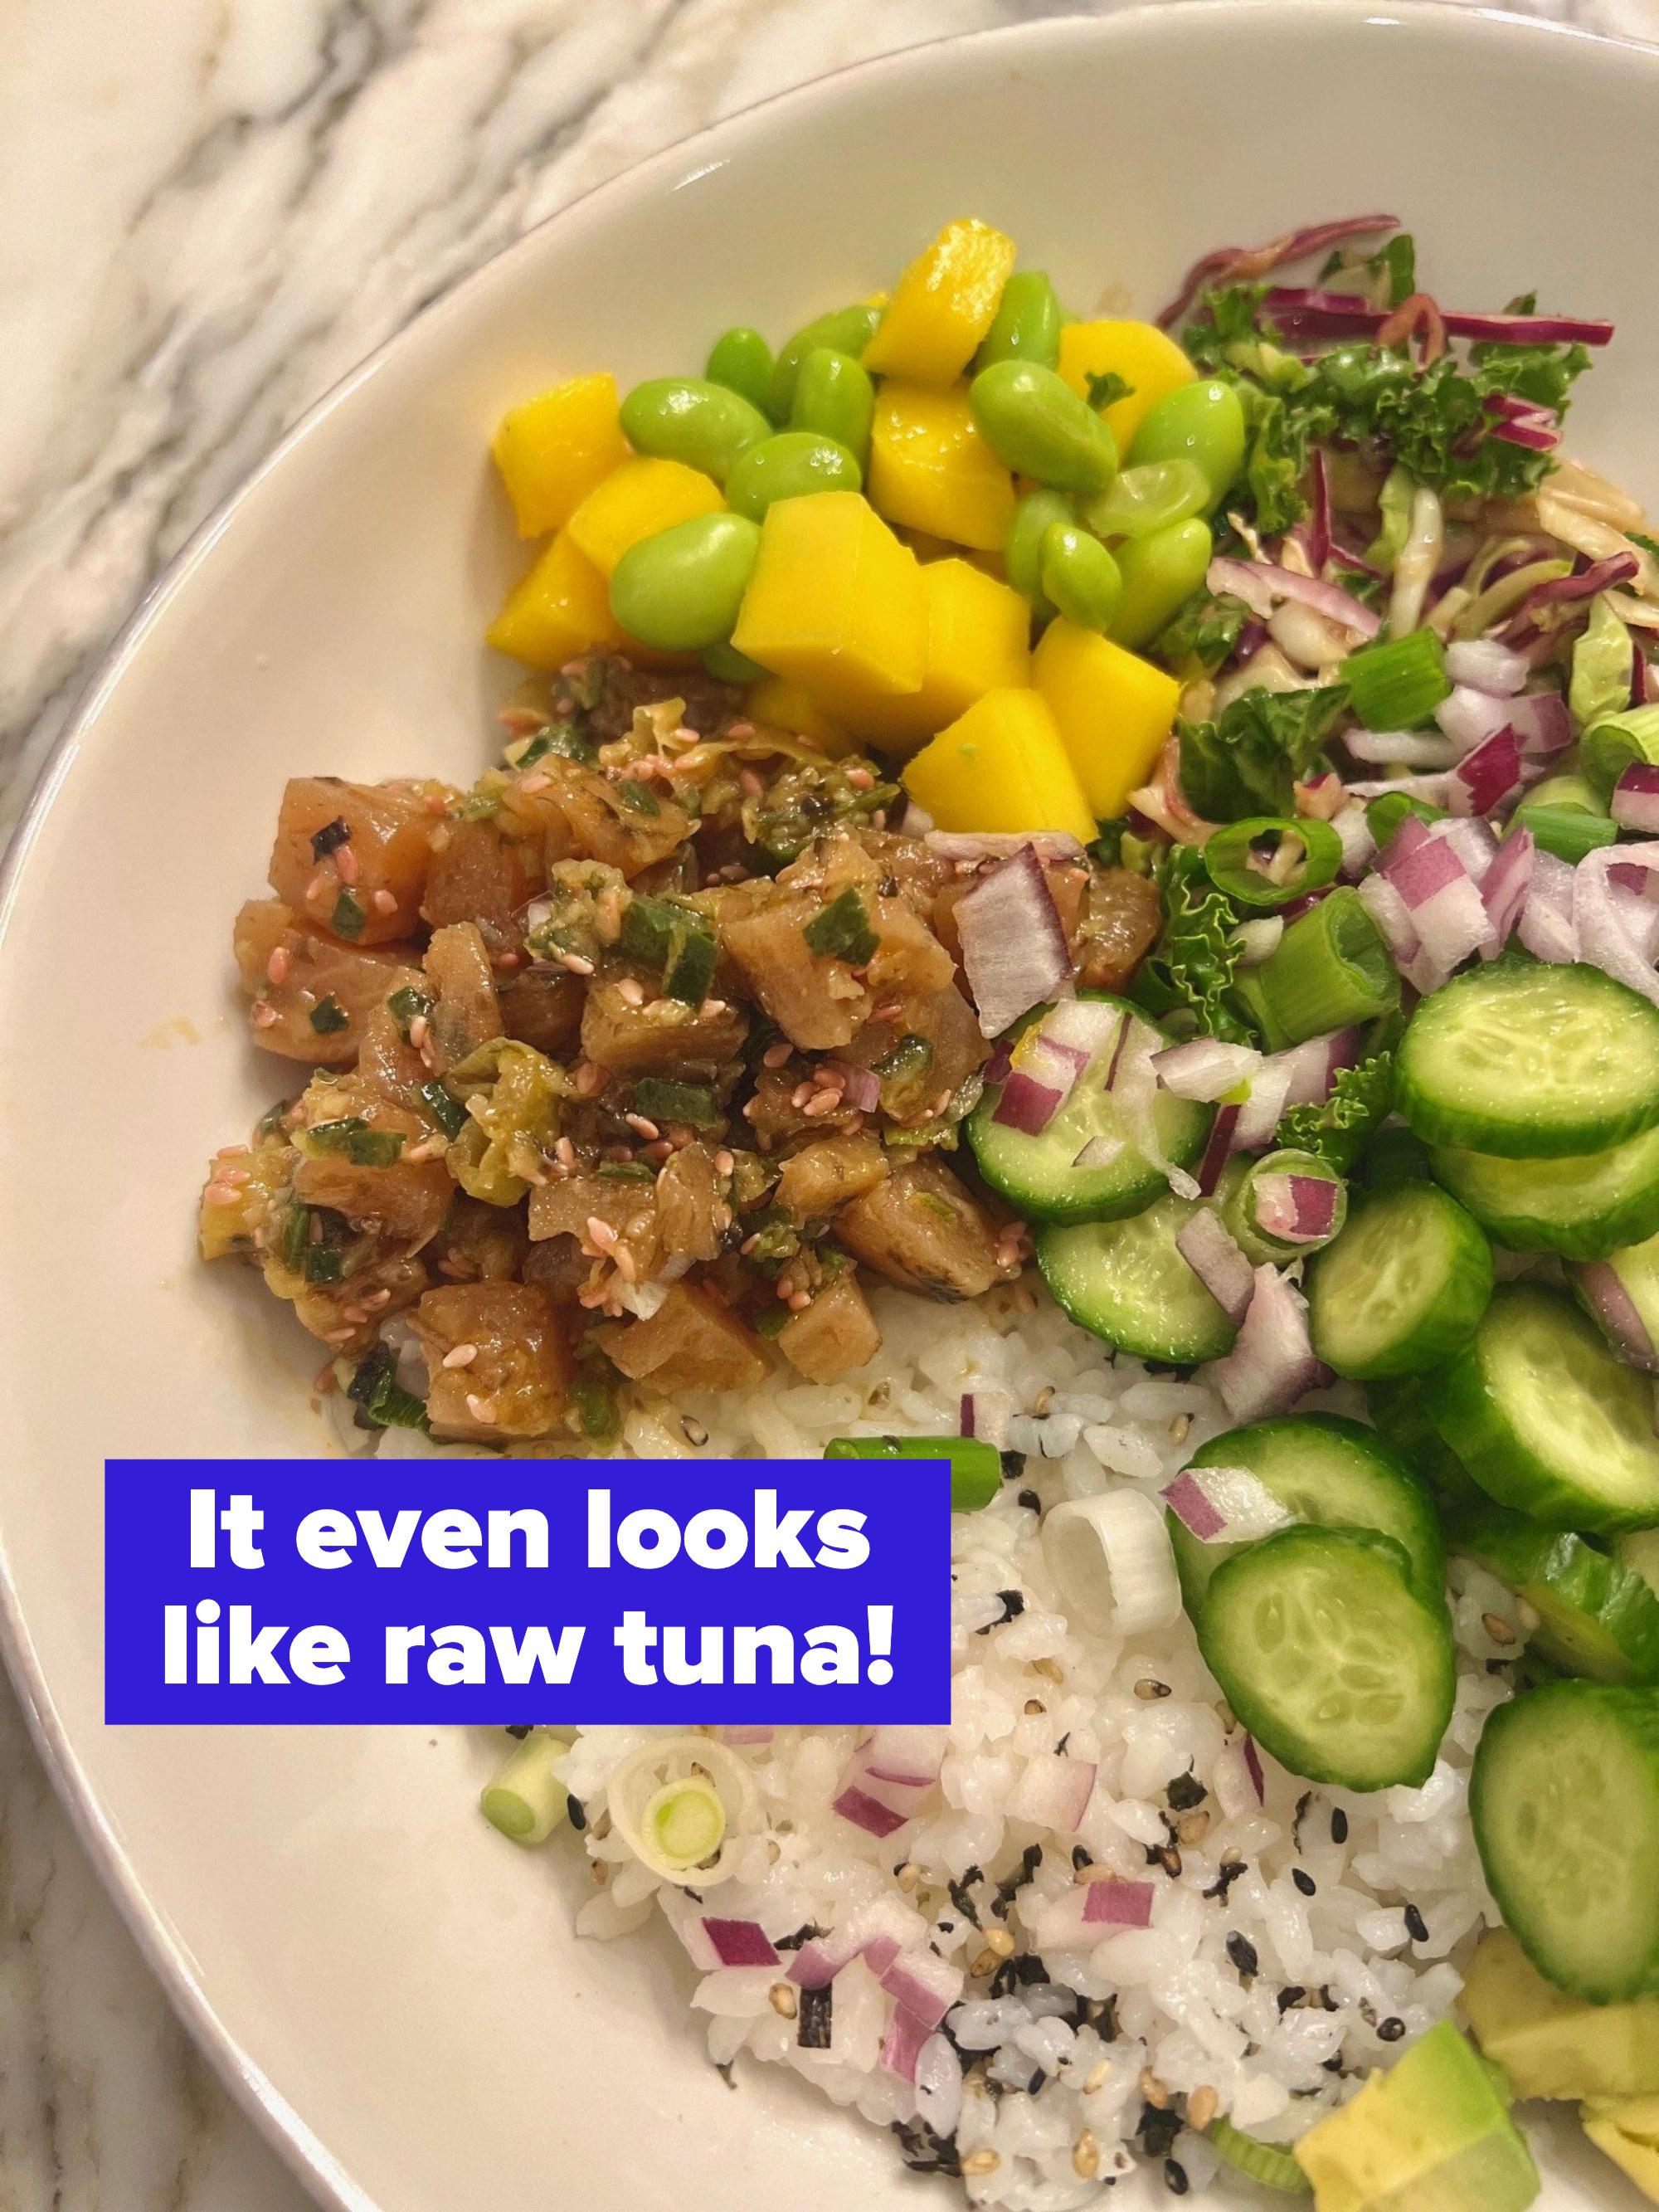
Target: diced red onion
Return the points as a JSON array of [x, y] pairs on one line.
[[1314, 1065], [1253, 1768], [1539, 429], [1187, 1499], [1413, 748], [1547, 927], [818, 1962], [1322, 797], [1272, 1363], [1639, 918], [1233, 264], [1555, 591], [1317, 529], [1481, 782], [1262, 586], [1604, 938], [911, 1757], [1480, 664], [1258, 1116], [1013, 944], [1218, 1150], [878, 1953], [1225, 1505], [1296, 1209], [1257, 940], [1503, 888], [1204, 1069], [996, 1068], [1205, 1243], [1473, 842], [866, 1813], [922, 1983], [1054, 845], [902, 2045], [1427, 866], [1132, 1081], [1054, 1792], [1540, 720], [739, 1942], [965, 1415], [1115, 1903], [860, 1086], [1615, 1310], [1636, 799], [1027, 1105], [1466, 716]]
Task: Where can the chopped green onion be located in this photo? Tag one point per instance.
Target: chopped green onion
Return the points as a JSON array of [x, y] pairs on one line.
[[296, 1236], [675, 941], [381, 1400], [1329, 971], [975, 1466], [1241, 1208], [1566, 819], [1384, 815], [638, 797], [526, 1800], [595, 1409], [328, 1017], [406, 1006], [685, 1822], [1397, 685], [270, 1123], [561, 738], [355, 1141], [445, 1108], [842, 930], [660, 1100], [1270, 2164], [325, 1263], [1268, 861], [1622, 741], [771, 1322], [626, 1171], [348, 915]]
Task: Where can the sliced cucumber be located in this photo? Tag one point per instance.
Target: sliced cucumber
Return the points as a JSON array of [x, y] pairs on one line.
[[1328, 1658], [1402, 1422], [1126, 1281], [1596, 1617], [1328, 1472], [1530, 1060], [1039, 1175], [1402, 1287], [1564, 1802], [1584, 1205], [1546, 1420]]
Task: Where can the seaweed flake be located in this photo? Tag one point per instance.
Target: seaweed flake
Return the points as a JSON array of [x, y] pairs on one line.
[[330, 838], [814, 2019], [808, 1932], [1227, 1875], [1185, 1792], [924, 2152], [1013, 1604]]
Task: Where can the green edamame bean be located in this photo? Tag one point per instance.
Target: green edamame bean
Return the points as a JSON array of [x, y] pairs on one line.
[[834, 397], [741, 360], [1035, 424], [1034, 515], [786, 465], [1027, 322], [688, 418], [680, 589], [1202, 422], [848, 330], [1159, 574], [1081, 576], [1148, 497], [723, 659]]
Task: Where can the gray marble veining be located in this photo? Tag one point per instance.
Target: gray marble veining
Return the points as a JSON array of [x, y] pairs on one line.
[[209, 209]]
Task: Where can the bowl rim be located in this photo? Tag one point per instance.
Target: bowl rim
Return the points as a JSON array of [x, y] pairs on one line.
[[306, 2156]]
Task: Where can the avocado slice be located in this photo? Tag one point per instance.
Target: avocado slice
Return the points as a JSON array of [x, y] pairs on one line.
[[1431, 2134], [1627, 2129], [1553, 2045]]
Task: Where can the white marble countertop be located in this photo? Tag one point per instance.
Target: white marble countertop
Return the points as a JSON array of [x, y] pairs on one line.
[[209, 209]]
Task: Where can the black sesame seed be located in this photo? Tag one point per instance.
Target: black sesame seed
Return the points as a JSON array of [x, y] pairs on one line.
[[1391, 2029], [1416, 1927], [1030, 1500], [1338, 1825], [1303, 1880], [1175, 2176], [1036, 2082], [573, 1807], [1333, 2065], [1243, 1953], [813, 2019], [1080, 1858]]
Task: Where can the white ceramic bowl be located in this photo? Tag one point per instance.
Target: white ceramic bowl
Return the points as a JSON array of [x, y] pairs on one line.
[[393, 1990]]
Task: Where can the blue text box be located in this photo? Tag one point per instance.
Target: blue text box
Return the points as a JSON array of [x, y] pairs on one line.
[[775, 1592]]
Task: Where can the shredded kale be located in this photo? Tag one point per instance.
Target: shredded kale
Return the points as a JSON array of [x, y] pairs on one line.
[[1203, 633], [1360, 1101], [1191, 968], [1249, 760]]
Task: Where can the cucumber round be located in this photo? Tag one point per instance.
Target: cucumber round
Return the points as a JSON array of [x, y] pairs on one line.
[[1565, 1803], [1596, 1618], [1546, 1420], [1530, 1060], [1402, 1422], [1327, 1472], [1583, 1206], [1403, 1288], [1036, 1175], [1126, 1282], [1329, 1659]]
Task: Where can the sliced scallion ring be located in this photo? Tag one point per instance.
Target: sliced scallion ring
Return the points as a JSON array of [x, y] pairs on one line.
[[684, 1795], [524, 1798], [684, 1823], [1267, 861], [1111, 1558]]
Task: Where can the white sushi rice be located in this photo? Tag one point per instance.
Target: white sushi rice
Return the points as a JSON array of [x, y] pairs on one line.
[[1294, 1943]]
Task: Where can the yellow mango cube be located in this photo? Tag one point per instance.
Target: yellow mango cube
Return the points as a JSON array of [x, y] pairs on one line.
[[930, 469], [781, 704], [1000, 767], [636, 500], [835, 602], [1112, 710], [1144, 357], [943, 305], [979, 635], [559, 608], [1627, 2129], [555, 449]]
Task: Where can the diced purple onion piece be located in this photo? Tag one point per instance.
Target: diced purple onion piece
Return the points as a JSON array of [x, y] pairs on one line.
[[1205, 1243], [1204, 1067], [1013, 944], [1116, 1904], [1253, 1767], [1026, 1105], [740, 1942], [1636, 799], [865, 1812], [1218, 1150], [902, 2045], [922, 1983], [1604, 936], [1272, 1363], [1260, 584], [1190, 1502], [1503, 888], [1483, 665]]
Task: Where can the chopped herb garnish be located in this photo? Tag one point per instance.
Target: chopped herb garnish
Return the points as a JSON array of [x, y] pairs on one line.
[[406, 1006], [637, 798], [445, 1108], [353, 1139], [381, 1401], [296, 1236], [771, 1321], [841, 930], [595, 1409], [328, 1016], [675, 941], [330, 838], [325, 1263], [660, 1100], [561, 738], [270, 1123], [627, 1171], [1107, 389], [348, 915]]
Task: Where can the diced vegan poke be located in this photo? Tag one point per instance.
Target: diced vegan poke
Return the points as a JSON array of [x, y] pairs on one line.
[[1080, 896]]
